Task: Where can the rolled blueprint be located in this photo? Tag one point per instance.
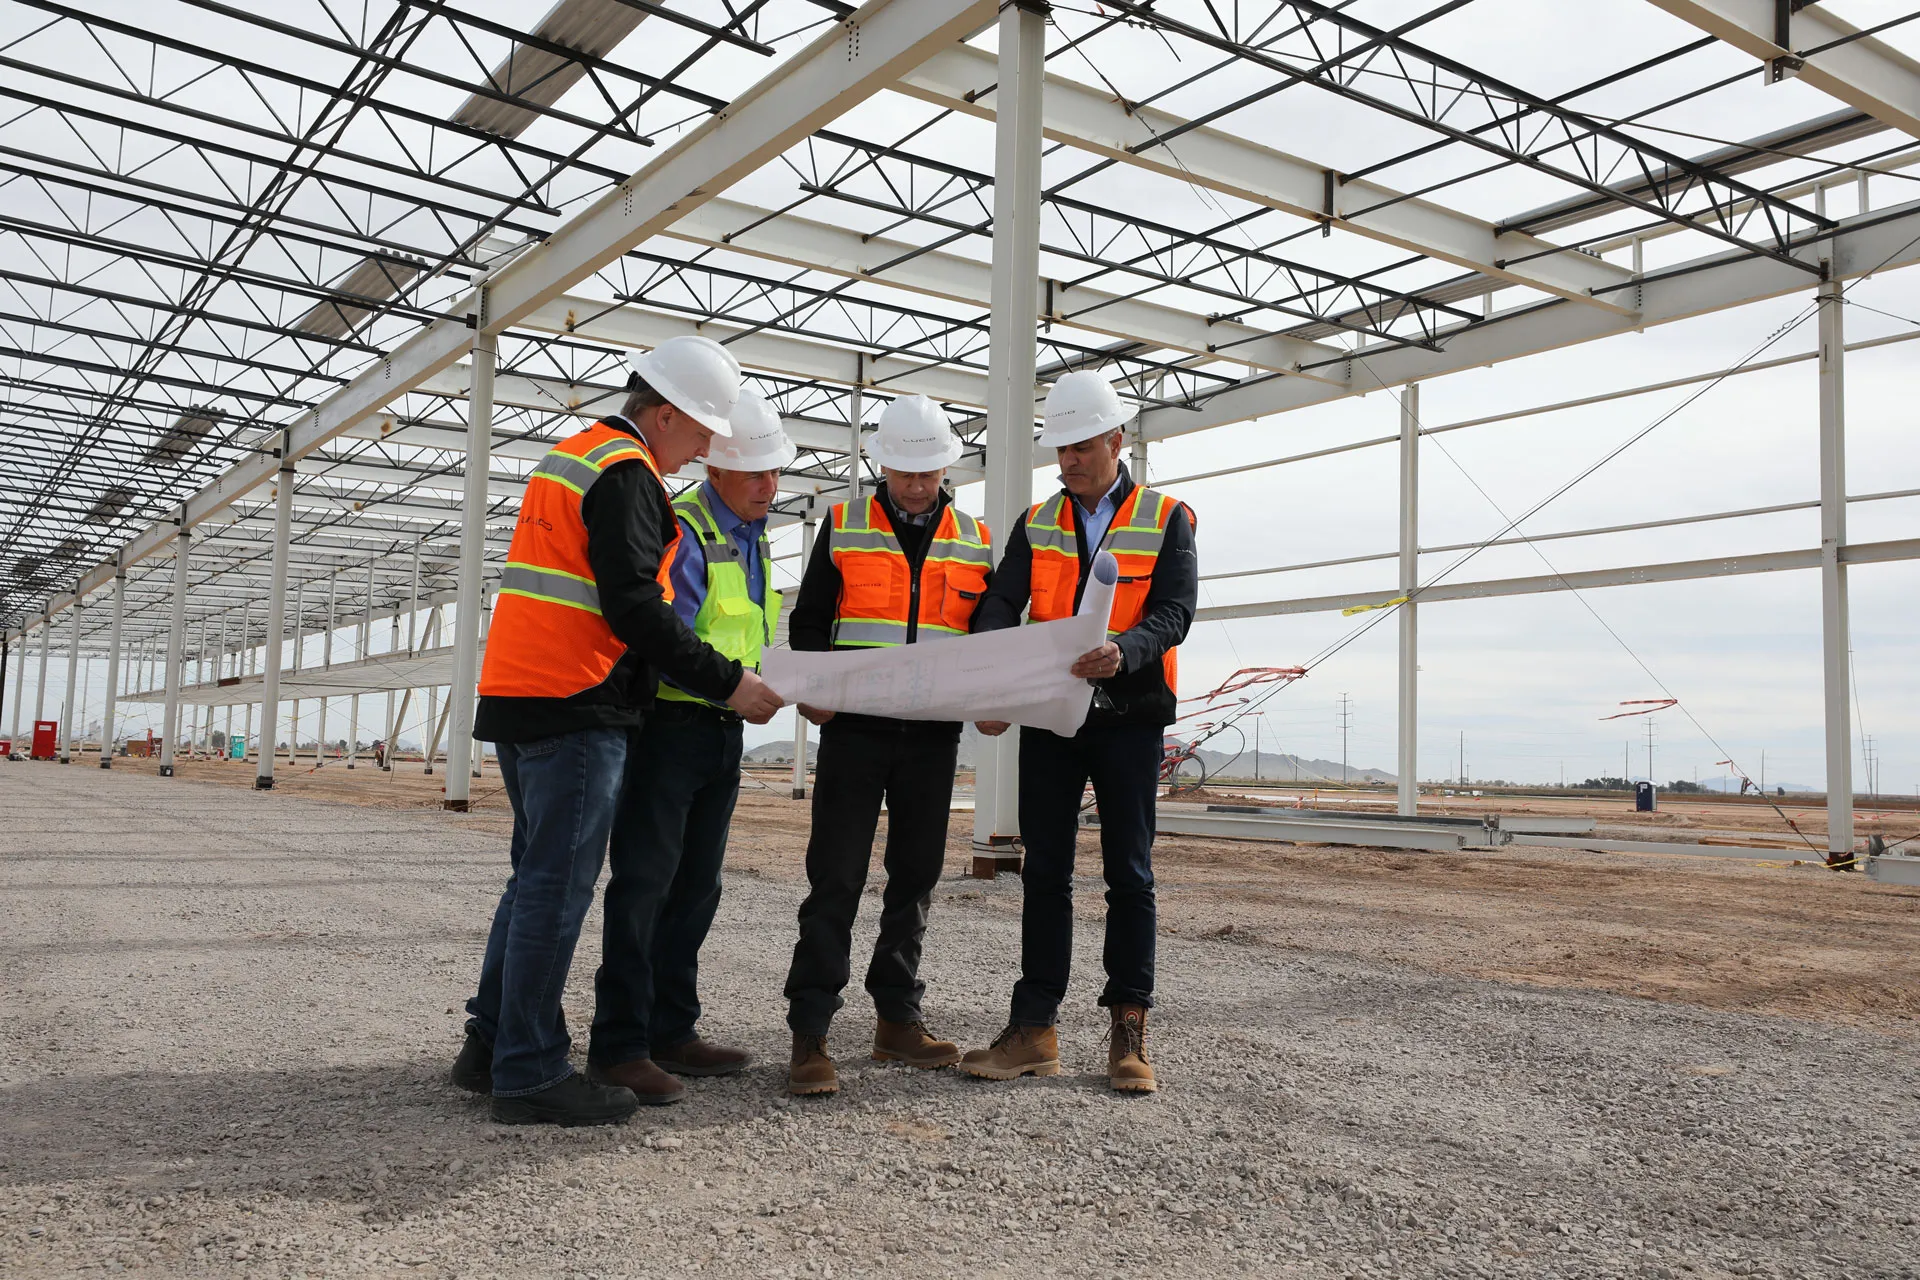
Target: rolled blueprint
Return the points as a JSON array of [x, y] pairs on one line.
[[1018, 675]]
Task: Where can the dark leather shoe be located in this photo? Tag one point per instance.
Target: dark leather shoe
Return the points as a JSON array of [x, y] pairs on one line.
[[473, 1069], [574, 1101], [643, 1076], [699, 1057]]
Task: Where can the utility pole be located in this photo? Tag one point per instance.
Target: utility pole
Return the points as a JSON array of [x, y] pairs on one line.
[[1763, 771], [1649, 748], [1256, 744], [1463, 757], [1345, 717], [1626, 763]]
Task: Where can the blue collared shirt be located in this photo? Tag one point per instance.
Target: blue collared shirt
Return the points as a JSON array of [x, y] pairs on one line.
[[689, 573], [1096, 521]]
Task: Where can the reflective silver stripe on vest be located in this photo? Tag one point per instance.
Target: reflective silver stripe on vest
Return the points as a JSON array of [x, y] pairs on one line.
[[706, 530], [569, 470], [601, 454], [1136, 541], [1044, 532], [952, 551], [863, 540], [550, 585], [869, 631]]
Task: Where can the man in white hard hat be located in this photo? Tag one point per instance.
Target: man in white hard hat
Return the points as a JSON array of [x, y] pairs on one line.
[[582, 628], [1043, 574], [683, 776], [902, 566]]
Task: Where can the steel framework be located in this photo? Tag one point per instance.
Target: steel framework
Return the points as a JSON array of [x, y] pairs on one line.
[[292, 299]]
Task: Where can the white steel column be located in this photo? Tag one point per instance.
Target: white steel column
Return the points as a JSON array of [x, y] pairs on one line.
[[70, 713], [243, 666], [362, 651], [856, 410], [1010, 377], [276, 622], [800, 721], [326, 660], [40, 686], [473, 545], [176, 648], [1409, 765], [299, 646], [113, 668], [20, 683], [1834, 642], [221, 672]]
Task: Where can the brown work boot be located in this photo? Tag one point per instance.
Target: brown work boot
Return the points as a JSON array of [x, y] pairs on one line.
[[699, 1057], [812, 1070], [654, 1087], [1127, 1067], [909, 1042], [1017, 1051]]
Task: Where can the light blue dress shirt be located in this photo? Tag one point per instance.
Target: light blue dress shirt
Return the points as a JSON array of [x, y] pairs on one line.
[[1096, 521]]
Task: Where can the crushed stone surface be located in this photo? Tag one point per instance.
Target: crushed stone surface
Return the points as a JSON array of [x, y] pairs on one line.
[[228, 1018]]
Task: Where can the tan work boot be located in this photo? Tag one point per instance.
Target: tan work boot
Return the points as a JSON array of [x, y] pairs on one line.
[[812, 1070], [909, 1042], [1017, 1051], [1127, 1067]]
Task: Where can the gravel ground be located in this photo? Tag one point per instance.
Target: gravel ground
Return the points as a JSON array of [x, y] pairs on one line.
[[228, 1017]]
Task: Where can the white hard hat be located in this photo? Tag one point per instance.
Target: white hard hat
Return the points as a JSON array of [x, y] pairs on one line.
[[696, 375], [914, 435], [758, 442], [1082, 405]]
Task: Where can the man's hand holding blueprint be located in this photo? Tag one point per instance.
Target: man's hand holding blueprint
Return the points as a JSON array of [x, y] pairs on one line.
[[1023, 675]]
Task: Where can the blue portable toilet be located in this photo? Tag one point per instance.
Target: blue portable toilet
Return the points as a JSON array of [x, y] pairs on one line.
[[1643, 797]]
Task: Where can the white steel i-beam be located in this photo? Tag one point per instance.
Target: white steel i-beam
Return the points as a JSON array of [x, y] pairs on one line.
[[473, 545], [1409, 764], [1010, 375], [113, 668], [1834, 640], [176, 648], [1796, 39], [70, 709], [276, 622]]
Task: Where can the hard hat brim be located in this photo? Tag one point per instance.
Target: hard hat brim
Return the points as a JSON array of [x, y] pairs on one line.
[[880, 456], [772, 460], [1060, 437]]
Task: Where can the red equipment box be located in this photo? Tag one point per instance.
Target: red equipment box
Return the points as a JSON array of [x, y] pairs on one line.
[[46, 739]]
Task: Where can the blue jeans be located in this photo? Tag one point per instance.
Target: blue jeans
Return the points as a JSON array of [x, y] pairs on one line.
[[683, 776], [564, 790], [1123, 762]]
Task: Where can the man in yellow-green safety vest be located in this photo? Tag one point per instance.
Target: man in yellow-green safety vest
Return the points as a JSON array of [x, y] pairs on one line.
[[683, 776]]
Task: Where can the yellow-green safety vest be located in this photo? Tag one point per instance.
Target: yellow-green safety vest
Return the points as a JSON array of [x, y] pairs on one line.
[[728, 619]]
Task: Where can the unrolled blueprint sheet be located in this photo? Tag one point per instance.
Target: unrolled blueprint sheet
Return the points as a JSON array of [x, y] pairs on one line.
[[1018, 675]]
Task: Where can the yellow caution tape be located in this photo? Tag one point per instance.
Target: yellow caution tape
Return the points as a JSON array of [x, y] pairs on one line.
[[1362, 608]]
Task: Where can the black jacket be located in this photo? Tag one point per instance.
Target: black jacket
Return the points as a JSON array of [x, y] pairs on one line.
[[628, 520], [810, 624], [1139, 694]]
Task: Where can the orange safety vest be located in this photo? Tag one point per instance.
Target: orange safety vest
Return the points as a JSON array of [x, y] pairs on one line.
[[1135, 537], [548, 638], [879, 591]]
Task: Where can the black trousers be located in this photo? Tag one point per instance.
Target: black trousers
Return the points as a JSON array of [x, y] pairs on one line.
[[910, 765], [669, 838], [1123, 762]]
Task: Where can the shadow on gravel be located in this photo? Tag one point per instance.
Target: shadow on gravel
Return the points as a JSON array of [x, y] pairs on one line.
[[389, 1138]]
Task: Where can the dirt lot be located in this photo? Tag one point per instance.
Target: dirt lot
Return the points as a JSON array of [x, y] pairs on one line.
[[1764, 937], [228, 1018]]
